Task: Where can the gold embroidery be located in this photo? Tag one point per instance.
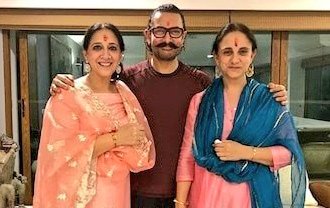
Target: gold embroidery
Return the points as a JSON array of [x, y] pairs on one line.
[[106, 155], [110, 172], [82, 137], [67, 158], [55, 146], [50, 147], [97, 130], [130, 113], [97, 106], [60, 97], [73, 164], [61, 196], [136, 110], [53, 121], [87, 186], [74, 116]]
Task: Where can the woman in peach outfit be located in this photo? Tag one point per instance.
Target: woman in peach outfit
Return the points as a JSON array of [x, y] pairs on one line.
[[237, 136], [93, 134]]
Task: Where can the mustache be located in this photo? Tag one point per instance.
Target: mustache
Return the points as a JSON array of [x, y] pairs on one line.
[[164, 44]]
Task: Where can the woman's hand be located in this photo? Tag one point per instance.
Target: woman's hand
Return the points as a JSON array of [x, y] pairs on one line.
[[180, 205], [228, 150], [61, 81], [130, 134]]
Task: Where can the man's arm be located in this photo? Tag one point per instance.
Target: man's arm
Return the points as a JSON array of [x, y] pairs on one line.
[[61, 81]]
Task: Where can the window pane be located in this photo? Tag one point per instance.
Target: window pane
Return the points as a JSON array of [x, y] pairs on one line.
[[197, 50], [309, 76], [262, 62], [309, 97]]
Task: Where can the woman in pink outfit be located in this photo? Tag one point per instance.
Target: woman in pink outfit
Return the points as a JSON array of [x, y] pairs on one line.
[[237, 136], [93, 134]]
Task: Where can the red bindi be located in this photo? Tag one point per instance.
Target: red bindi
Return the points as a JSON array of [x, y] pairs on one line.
[[105, 38], [167, 23], [236, 42]]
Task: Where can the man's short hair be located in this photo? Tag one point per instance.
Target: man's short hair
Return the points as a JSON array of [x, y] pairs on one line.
[[170, 8]]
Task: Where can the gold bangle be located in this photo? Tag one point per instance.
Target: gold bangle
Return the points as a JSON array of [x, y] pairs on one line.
[[114, 139], [254, 150], [180, 202]]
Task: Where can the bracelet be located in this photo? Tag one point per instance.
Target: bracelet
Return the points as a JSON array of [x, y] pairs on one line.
[[114, 139], [254, 150], [180, 202]]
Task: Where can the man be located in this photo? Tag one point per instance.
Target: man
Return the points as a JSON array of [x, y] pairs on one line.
[[164, 87]]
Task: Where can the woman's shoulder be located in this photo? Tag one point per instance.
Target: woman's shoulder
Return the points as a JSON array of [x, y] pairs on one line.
[[196, 99], [80, 82], [260, 88], [69, 96], [262, 97]]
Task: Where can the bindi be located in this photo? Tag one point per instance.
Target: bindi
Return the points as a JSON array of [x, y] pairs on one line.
[[168, 23], [236, 42], [105, 38]]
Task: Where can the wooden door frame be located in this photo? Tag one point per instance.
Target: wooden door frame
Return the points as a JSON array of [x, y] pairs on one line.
[[279, 68], [25, 112], [7, 82]]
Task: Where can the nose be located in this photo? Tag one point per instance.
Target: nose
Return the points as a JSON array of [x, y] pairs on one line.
[[235, 58], [167, 37], [106, 53]]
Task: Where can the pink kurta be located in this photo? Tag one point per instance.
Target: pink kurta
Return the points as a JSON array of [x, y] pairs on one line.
[[209, 190], [67, 175]]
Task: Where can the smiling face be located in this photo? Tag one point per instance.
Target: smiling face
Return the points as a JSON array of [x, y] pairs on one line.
[[103, 53], [165, 48], [234, 55]]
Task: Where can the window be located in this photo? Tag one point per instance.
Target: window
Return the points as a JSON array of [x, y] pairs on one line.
[[309, 84]]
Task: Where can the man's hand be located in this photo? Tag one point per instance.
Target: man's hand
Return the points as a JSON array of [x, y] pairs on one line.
[[61, 81], [279, 93]]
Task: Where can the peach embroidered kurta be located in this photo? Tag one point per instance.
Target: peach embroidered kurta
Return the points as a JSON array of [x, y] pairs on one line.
[[209, 190], [67, 175]]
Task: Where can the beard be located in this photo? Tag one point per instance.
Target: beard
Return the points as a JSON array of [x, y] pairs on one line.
[[166, 55]]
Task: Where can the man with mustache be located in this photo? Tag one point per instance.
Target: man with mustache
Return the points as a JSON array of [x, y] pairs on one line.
[[164, 87]]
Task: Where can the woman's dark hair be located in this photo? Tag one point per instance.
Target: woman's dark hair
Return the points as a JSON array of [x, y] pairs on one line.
[[233, 27], [99, 26]]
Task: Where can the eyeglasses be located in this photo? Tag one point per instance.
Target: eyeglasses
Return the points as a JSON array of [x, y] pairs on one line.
[[160, 32]]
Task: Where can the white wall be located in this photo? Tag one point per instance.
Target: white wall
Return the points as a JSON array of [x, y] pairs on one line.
[[14, 84], [13, 89], [322, 5], [2, 90]]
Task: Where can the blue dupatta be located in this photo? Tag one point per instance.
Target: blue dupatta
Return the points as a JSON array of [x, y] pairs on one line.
[[260, 122]]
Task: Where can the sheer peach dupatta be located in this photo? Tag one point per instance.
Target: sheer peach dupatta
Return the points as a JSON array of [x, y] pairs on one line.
[[146, 147], [66, 173]]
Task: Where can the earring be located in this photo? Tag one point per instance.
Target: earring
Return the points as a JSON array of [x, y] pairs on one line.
[[87, 67], [250, 71], [118, 71]]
